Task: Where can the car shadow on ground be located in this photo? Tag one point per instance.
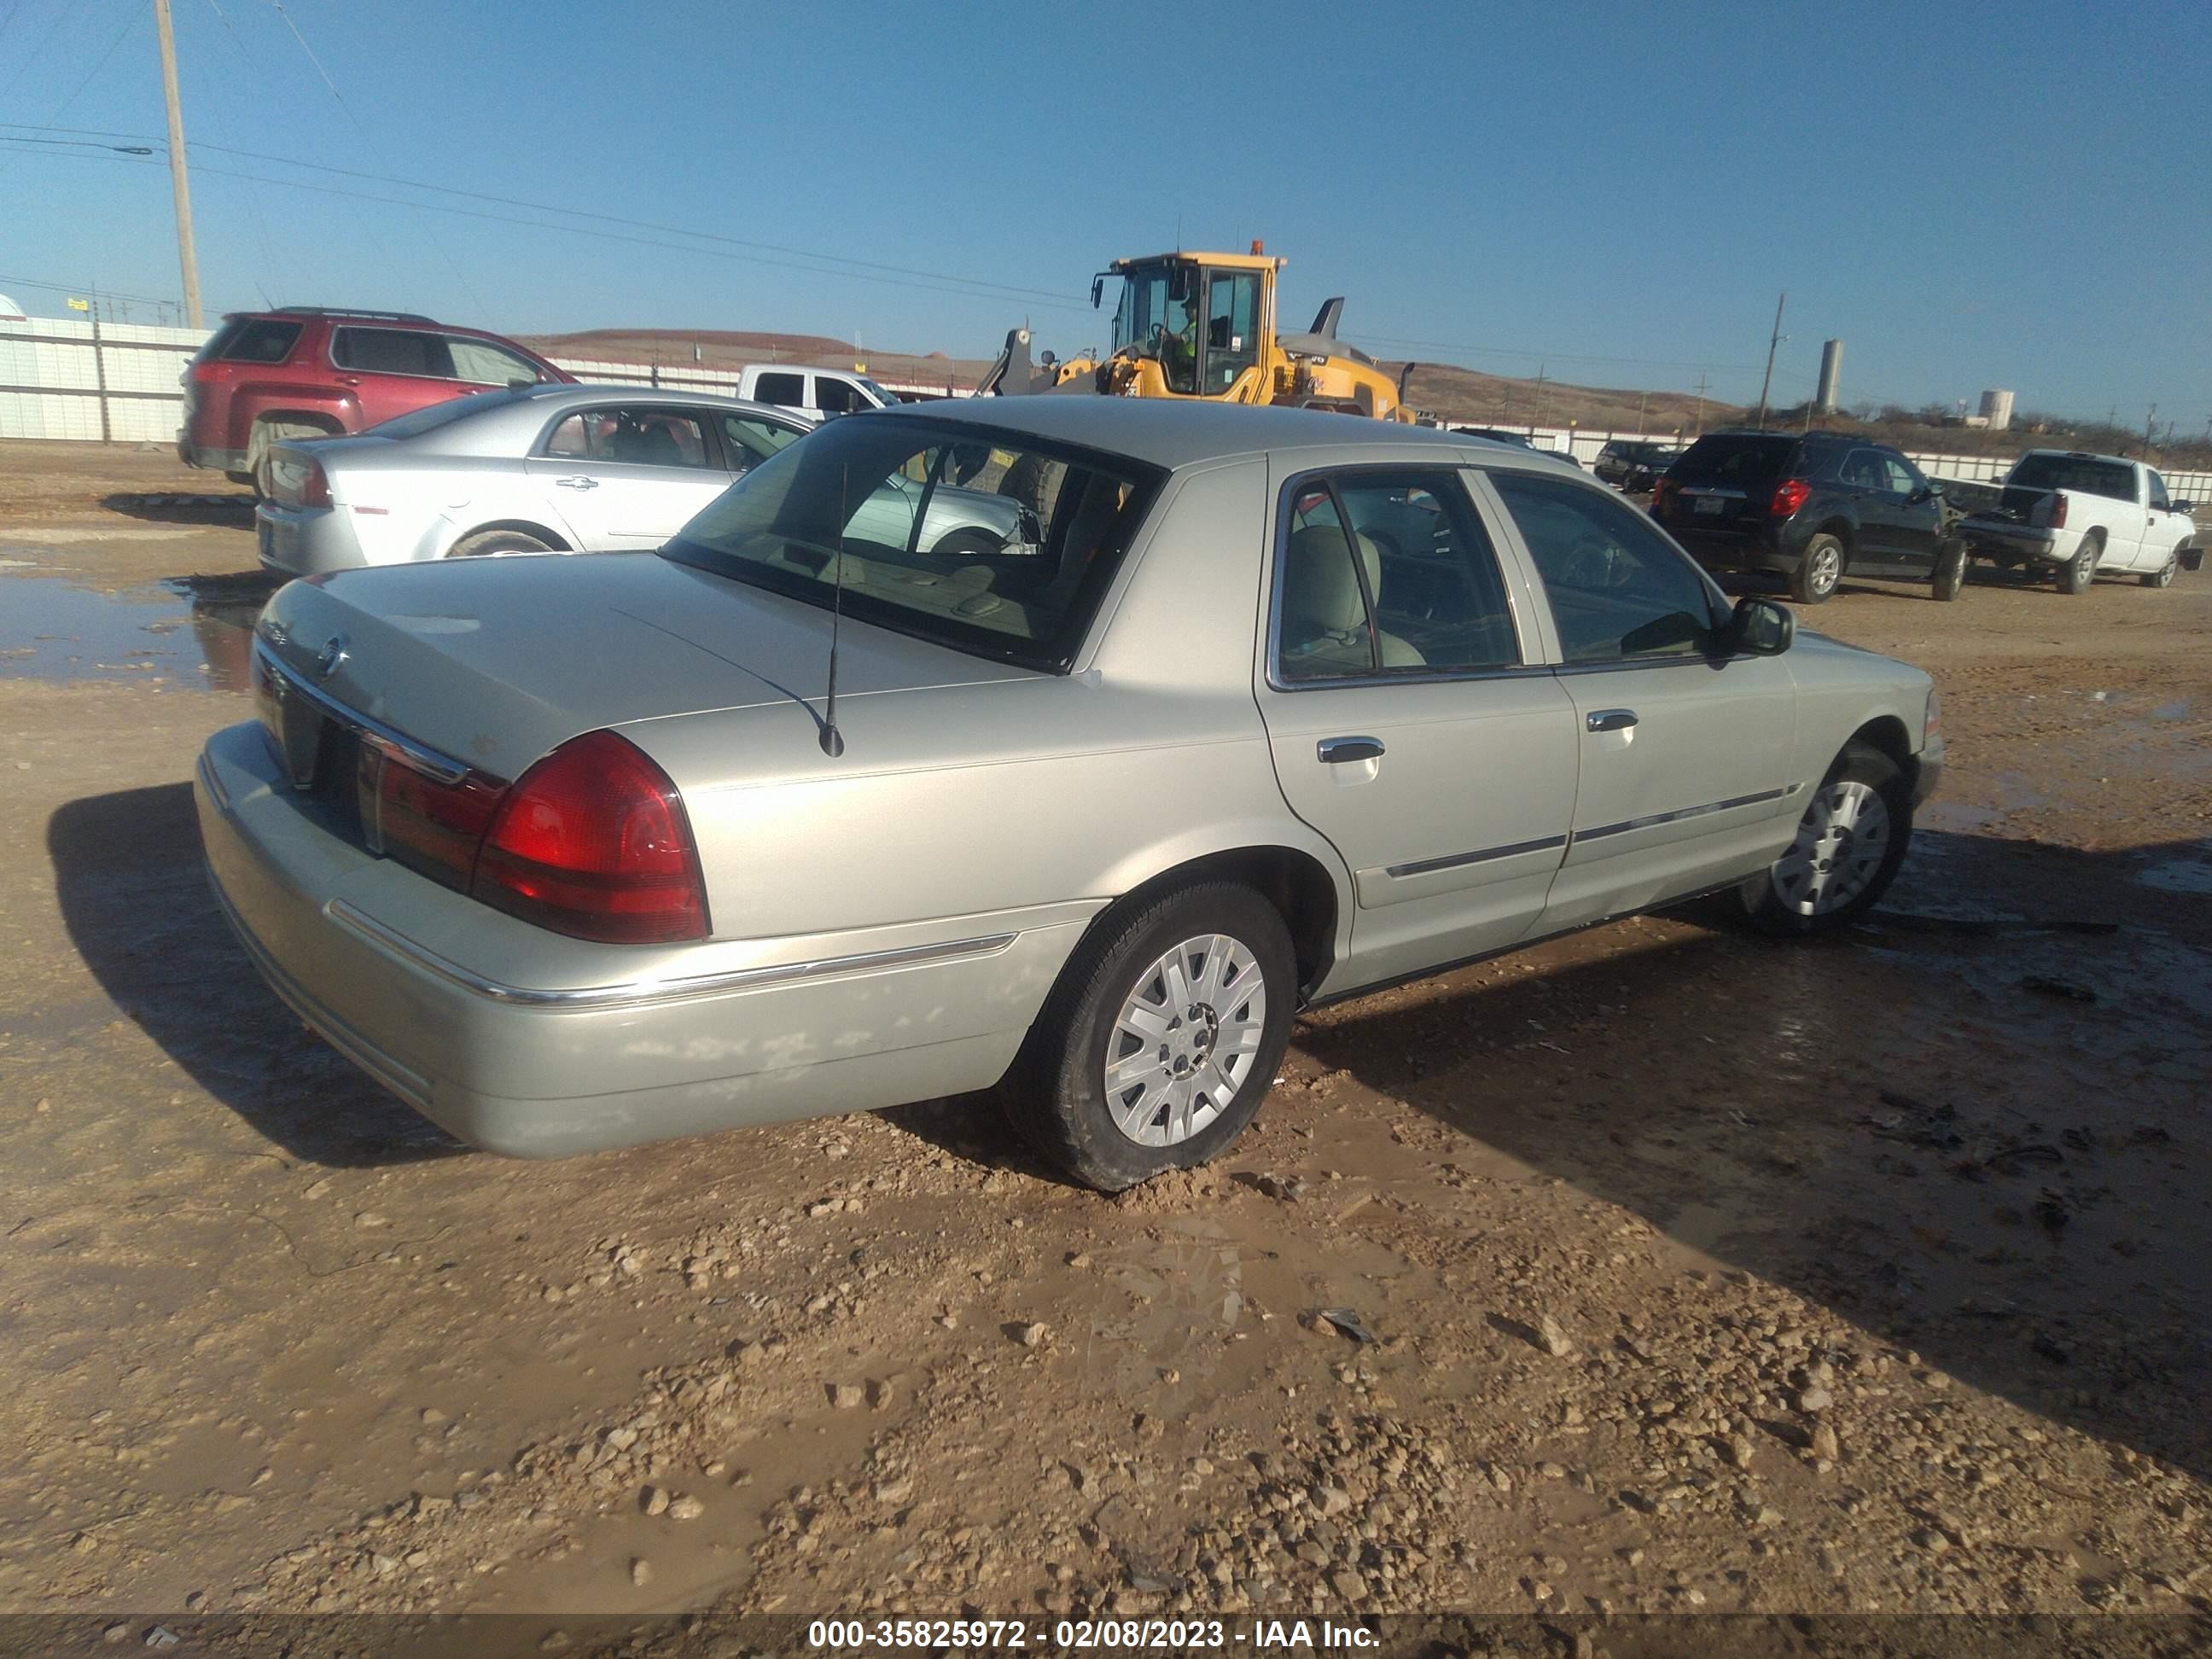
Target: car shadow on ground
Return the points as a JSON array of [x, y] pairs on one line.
[[233, 508], [135, 898], [1980, 1140]]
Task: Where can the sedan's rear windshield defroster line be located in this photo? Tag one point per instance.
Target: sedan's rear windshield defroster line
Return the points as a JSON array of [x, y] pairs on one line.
[[991, 543]]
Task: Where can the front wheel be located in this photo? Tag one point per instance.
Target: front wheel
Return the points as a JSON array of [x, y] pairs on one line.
[[1157, 1046], [1849, 844], [1819, 571], [2164, 576]]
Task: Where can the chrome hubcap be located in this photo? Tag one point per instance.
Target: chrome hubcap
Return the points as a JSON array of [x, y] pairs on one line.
[[1185, 1040], [1841, 841], [1827, 565]]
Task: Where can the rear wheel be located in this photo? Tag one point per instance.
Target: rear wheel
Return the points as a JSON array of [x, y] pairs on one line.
[[1819, 571], [2164, 576], [2078, 572], [1950, 571], [1161, 1038], [1849, 842], [486, 542]]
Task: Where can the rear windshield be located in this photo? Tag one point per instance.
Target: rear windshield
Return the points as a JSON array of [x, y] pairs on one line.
[[1733, 458], [445, 414], [252, 340], [975, 539], [2091, 477]]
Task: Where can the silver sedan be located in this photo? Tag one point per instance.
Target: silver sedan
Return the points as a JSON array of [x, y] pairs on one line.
[[547, 468], [801, 816]]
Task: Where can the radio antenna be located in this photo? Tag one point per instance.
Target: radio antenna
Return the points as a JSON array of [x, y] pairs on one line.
[[833, 741]]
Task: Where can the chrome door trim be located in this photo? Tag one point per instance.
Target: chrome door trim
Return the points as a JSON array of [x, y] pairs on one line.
[[1453, 860], [1655, 819]]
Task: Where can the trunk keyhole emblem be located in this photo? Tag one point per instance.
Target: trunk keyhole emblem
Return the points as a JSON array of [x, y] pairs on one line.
[[328, 659]]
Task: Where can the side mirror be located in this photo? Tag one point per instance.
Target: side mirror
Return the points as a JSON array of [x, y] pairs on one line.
[[1760, 627], [2183, 506], [1097, 290]]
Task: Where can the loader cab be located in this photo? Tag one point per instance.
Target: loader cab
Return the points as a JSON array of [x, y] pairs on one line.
[[1201, 318]]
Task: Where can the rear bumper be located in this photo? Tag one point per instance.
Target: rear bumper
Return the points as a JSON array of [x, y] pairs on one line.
[[1989, 537], [1762, 549], [305, 541], [214, 460], [523, 1042]]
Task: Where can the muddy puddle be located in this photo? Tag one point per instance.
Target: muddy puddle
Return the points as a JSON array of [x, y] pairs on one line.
[[183, 631]]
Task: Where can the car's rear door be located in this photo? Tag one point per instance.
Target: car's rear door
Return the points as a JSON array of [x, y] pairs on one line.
[[628, 474], [1410, 724], [1683, 772], [393, 371]]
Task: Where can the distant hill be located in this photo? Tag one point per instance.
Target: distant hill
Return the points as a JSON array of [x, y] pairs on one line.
[[727, 348]]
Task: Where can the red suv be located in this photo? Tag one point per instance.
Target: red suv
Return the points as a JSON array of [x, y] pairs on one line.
[[305, 372]]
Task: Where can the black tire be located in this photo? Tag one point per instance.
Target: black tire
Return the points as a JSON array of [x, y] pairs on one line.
[[1055, 1093], [1950, 572], [2078, 572], [486, 541], [1820, 570], [1761, 897], [2164, 576]]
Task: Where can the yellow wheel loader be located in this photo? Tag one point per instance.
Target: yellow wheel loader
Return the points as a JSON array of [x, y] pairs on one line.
[[1202, 326]]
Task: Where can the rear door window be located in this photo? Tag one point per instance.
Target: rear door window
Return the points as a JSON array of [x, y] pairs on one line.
[[642, 435], [263, 340], [1414, 588], [393, 351], [789, 390], [748, 437]]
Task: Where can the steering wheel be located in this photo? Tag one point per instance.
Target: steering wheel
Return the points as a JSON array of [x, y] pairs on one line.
[[1593, 562]]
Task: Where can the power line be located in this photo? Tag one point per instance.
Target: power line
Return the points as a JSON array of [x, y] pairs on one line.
[[130, 19], [1007, 290], [1545, 356]]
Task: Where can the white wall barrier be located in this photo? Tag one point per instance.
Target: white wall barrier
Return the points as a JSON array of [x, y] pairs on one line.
[[117, 382]]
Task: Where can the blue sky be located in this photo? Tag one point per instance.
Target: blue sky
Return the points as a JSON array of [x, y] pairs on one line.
[[2018, 195]]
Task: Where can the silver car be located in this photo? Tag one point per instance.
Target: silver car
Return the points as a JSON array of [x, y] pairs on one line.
[[548, 469], [798, 817]]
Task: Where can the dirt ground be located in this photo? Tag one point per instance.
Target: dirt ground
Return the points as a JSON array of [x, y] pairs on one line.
[[1678, 1270]]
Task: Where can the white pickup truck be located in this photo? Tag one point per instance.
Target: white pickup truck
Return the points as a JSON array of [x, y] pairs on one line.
[[2076, 515], [824, 392]]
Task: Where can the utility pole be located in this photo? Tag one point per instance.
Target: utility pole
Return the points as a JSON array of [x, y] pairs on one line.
[[1772, 343], [1539, 420], [1701, 405], [1641, 399], [2149, 425], [179, 186]]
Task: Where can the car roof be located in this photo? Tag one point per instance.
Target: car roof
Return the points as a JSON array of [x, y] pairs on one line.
[[1175, 435]]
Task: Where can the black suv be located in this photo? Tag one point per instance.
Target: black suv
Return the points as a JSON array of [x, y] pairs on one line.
[[1815, 507], [1634, 466]]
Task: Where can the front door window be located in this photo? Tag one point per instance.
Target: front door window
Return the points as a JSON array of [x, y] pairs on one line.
[[1232, 321]]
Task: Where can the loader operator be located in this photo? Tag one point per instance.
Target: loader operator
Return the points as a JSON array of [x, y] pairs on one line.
[[1179, 350]]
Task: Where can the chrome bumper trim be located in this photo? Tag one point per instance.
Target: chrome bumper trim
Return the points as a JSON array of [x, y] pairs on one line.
[[631, 993]]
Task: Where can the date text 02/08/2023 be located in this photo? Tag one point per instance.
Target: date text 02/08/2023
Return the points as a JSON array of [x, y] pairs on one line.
[[1078, 1635]]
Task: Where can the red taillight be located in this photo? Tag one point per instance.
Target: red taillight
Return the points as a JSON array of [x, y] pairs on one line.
[[430, 826], [594, 842], [2058, 520], [314, 485], [1659, 489], [1789, 496]]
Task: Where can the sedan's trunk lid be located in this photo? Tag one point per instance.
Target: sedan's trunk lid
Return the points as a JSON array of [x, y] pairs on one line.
[[495, 661]]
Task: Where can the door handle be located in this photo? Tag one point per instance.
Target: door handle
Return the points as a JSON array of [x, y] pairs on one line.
[[578, 482], [1336, 751], [1610, 720]]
